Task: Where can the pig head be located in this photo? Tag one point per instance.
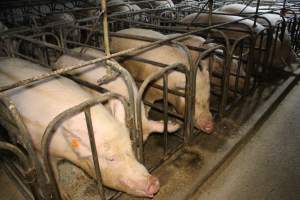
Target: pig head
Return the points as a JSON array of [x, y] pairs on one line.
[[119, 168]]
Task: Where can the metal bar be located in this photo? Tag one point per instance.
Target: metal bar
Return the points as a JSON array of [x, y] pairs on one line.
[[89, 125], [136, 49], [55, 123], [16, 151], [141, 92], [23, 137], [165, 101], [105, 27]]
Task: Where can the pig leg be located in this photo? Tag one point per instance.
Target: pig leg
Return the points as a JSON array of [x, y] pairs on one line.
[[63, 193]]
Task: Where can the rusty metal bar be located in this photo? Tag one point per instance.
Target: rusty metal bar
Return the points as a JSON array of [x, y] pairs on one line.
[[142, 47], [165, 101], [89, 124], [141, 92], [23, 137], [105, 27]]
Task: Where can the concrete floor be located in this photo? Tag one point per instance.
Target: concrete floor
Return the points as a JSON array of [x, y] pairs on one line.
[[268, 167]]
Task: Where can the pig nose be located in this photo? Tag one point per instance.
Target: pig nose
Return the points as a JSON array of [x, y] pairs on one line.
[[207, 126], [153, 186]]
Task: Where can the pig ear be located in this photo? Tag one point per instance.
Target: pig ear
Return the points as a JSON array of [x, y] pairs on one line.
[[117, 109], [158, 126], [76, 139]]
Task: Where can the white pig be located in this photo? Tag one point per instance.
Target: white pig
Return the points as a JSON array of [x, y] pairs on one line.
[[283, 52], [167, 54], [121, 6], [93, 72], [41, 101], [217, 64]]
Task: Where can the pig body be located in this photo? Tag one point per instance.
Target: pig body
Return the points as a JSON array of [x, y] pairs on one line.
[[283, 51], [93, 72], [156, 4], [68, 20], [118, 6], [244, 25], [41, 101], [218, 63], [167, 55]]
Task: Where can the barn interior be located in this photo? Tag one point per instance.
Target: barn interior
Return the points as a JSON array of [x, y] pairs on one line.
[[211, 80]]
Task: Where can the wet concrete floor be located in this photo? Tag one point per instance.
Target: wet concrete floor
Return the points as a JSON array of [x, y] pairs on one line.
[[268, 167]]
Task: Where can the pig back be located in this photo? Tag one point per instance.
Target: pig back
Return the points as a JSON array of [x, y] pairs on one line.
[[93, 72], [239, 27], [39, 102], [165, 54]]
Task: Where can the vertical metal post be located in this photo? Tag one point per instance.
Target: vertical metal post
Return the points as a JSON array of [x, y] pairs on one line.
[[89, 124], [284, 4], [105, 27], [210, 7], [165, 98], [256, 12]]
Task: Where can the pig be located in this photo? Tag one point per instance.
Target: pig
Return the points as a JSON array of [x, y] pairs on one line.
[[69, 19], [114, 6], [163, 4], [219, 19], [191, 3], [218, 63], [282, 50], [284, 54], [167, 54], [41, 101], [156, 4], [92, 73]]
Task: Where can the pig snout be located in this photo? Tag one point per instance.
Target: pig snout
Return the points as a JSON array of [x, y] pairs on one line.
[[145, 187], [206, 125], [152, 187]]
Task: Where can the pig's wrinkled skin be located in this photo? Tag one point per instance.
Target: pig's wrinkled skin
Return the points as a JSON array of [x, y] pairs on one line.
[[167, 55], [93, 72], [218, 63], [40, 102]]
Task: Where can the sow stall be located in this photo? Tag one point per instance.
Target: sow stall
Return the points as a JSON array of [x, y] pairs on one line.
[[176, 158]]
